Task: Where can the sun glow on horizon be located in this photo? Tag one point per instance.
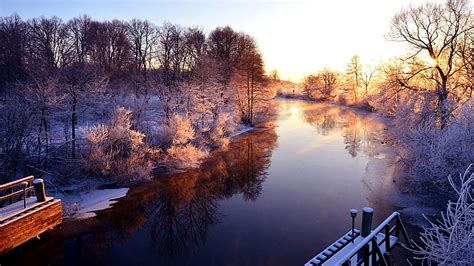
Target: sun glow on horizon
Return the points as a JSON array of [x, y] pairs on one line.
[[296, 38]]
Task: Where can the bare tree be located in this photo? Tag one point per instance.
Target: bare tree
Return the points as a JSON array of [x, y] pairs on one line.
[[354, 69], [111, 47], [79, 80], [321, 86], [195, 48], [366, 77], [249, 81], [79, 38], [435, 29], [47, 44], [142, 36], [41, 96], [13, 34], [274, 75]]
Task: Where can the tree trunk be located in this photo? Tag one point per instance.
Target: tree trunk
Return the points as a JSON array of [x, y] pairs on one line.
[[73, 126], [442, 104]]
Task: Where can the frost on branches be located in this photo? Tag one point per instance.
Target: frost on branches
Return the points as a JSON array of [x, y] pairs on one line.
[[433, 153], [178, 136], [450, 240], [118, 150]]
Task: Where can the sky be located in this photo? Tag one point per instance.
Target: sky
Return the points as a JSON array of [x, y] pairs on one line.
[[296, 37]]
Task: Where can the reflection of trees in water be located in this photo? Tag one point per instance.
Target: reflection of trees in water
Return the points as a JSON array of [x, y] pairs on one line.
[[324, 117], [360, 132], [181, 215], [187, 205], [179, 208]]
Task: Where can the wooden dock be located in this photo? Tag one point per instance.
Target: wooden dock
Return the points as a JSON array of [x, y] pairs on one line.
[[24, 216], [370, 248]]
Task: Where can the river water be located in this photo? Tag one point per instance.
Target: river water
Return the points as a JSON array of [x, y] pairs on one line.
[[277, 196]]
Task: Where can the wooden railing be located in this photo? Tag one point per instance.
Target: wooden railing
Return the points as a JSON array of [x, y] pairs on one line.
[[368, 251], [21, 188]]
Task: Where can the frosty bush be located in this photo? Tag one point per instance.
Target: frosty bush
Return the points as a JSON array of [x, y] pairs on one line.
[[185, 156], [450, 240], [119, 151], [178, 139], [432, 153], [221, 129]]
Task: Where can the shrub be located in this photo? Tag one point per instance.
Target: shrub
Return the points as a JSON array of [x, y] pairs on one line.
[[222, 127], [178, 140], [432, 153], [118, 150]]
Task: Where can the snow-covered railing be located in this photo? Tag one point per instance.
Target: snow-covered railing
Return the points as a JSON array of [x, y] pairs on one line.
[[365, 247], [22, 186], [374, 250], [334, 248]]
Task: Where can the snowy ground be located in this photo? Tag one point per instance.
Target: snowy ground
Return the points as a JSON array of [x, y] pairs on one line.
[[241, 129], [83, 200]]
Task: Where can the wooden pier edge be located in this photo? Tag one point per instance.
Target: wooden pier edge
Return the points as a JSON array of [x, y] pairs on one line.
[[30, 224]]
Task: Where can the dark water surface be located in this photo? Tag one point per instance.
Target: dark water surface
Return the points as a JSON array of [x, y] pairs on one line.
[[276, 197]]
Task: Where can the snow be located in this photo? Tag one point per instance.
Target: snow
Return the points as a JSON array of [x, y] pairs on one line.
[[85, 204], [241, 129]]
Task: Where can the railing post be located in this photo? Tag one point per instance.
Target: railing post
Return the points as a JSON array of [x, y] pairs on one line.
[[39, 190], [10, 191], [374, 251], [366, 254], [397, 227], [25, 185], [367, 214]]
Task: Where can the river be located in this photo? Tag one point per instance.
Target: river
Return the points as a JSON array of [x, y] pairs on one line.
[[277, 196]]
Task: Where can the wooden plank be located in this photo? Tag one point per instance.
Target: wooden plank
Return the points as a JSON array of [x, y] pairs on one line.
[[29, 225], [18, 208], [16, 193], [16, 182]]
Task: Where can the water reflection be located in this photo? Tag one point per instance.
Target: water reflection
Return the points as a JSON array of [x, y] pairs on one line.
[[276, 197], [360, 132], [187, 204]]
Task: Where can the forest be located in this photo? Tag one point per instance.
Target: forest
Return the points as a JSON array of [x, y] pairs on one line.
[[119, 99]]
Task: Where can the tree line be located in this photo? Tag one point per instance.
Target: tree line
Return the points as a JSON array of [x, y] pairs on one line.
[[178, 86]]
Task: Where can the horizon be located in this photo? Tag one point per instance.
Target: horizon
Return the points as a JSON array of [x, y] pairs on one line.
[[295, 51]]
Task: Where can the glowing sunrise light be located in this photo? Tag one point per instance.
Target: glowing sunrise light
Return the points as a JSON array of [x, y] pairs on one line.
[[294, 110], [432, 62], [407, 69]]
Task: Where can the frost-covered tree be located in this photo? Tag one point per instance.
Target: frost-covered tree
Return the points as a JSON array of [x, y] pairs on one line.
[[322, 85], [79, 80], [353, 72], [450, 239], [249, 81], [436, 31]]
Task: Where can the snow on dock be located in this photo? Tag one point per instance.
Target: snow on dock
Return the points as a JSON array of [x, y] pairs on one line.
[[23, 216], [369, 247]]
